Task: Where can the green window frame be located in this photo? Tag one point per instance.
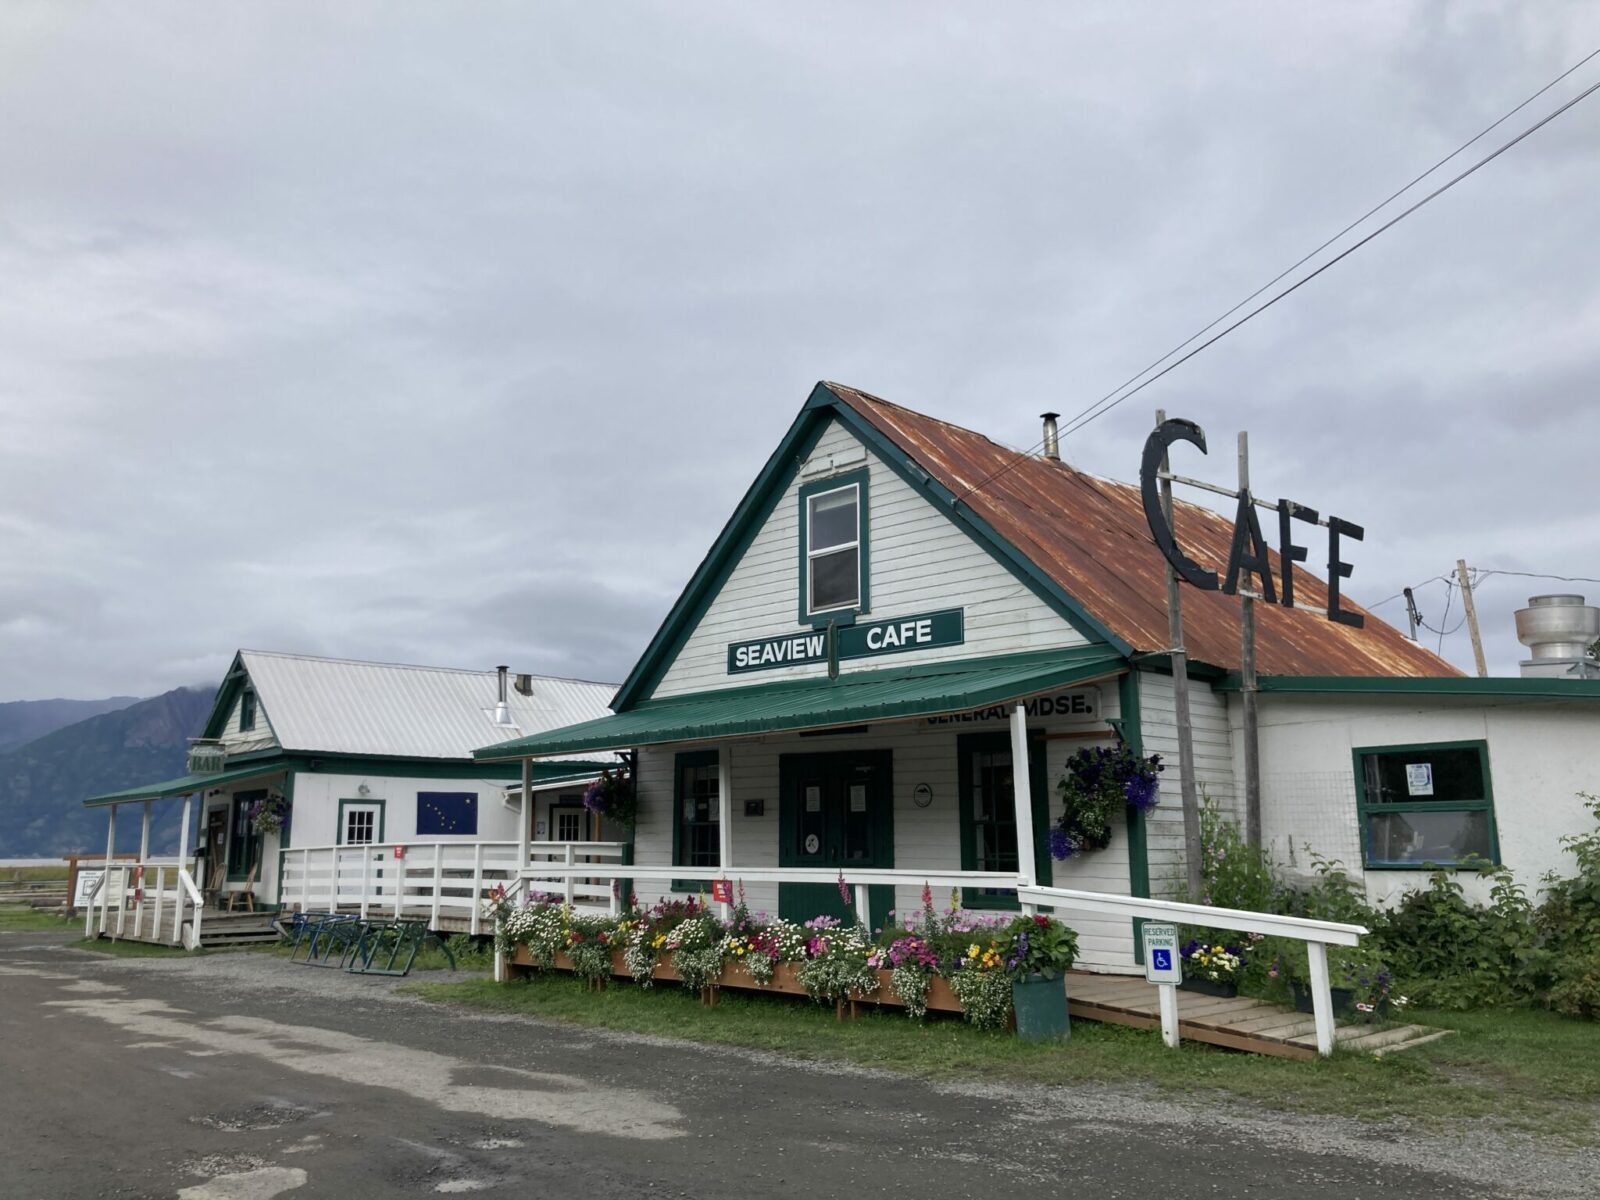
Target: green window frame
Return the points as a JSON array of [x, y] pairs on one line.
[[979, 831], [247, 710], [1385, 812], [696, 813], [856, 482]]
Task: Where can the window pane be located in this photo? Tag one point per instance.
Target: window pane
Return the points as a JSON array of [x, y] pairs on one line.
[[833, 579], [1424, 775], [1427, 837], [832, 521]]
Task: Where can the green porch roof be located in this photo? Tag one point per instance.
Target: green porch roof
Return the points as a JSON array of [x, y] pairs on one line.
[[185, 784], [854, 699]]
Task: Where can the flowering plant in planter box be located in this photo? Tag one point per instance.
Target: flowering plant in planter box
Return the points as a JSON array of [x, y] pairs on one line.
[[590, 941], [1212, 961], [982, 985], [836, 960], [911, 963], [1099, 782], [696, 947], [540, 927], [613, 797], [1040, 946]]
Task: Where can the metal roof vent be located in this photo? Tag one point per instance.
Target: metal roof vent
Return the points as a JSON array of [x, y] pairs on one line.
[[1559, 631], [1052, 443], [502, 710]]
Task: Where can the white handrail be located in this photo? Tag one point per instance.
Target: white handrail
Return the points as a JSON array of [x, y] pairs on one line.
[[88, 907], [192, 942]]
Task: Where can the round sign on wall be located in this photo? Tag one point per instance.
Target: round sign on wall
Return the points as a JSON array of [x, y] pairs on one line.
[[922, 796], [813, 843]]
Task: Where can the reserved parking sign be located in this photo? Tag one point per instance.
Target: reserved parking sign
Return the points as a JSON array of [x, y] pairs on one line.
[[1162, 962]]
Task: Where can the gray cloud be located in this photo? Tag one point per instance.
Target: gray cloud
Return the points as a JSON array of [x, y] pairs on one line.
[[401, 333]]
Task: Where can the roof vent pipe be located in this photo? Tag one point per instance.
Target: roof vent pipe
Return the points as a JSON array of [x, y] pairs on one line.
[[1052, 445], [502, 711], [1559, 629]]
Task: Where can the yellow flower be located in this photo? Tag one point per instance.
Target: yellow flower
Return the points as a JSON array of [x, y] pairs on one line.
[[972, 950]]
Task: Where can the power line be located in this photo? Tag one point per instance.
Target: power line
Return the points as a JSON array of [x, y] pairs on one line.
[[1384, 203], [1400, 593], [1537, 575], [1102, 407]]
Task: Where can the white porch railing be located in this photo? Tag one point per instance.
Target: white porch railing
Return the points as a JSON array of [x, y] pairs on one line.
[[147, 900], [441, 879], [1318, 935]]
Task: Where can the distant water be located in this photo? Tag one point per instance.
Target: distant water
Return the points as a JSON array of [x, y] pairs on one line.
[[31, 862]]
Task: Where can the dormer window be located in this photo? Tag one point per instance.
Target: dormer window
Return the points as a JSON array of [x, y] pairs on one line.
[[833, 539], [247, 710]]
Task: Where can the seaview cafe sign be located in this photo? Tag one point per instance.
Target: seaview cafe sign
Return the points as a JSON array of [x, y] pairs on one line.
[[870, 639]]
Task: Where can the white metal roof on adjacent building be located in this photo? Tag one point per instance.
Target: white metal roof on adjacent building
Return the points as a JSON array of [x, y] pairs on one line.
[[337, 706]]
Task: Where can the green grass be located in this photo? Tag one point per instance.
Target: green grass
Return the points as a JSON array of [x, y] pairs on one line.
[[1532, 1069], [123, 948], [21, 917]]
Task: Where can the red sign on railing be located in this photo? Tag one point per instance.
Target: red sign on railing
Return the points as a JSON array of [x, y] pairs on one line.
[[399, 851], [722, 891]]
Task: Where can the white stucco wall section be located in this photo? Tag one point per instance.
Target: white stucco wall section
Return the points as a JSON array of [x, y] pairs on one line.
[[919, 561], [926, 838], [1537, 765], [1214, 769]]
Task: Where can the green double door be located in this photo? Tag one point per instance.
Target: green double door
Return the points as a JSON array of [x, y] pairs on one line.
[[835, 812]]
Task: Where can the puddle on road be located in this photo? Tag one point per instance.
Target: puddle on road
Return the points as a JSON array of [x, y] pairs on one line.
[[262, 1183], [502, 1093]]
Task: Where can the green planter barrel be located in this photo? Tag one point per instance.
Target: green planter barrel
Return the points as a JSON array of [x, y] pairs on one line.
[[1040, 1002]]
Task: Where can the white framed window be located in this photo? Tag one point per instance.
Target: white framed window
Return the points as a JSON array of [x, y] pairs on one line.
[[360, 824], [833, 548], [569, 824]]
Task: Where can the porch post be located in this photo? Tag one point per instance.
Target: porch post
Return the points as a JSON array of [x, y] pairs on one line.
[[1022, 800], [138, 874], [725, 820], [105, 877], [525, 833], [183, 867]]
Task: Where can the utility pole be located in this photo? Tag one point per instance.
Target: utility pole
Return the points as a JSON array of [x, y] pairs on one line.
[[1247, 679], [1472, 617], [1193, 875]]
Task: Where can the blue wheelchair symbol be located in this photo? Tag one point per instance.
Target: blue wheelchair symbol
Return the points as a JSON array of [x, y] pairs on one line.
[[1161, 959]]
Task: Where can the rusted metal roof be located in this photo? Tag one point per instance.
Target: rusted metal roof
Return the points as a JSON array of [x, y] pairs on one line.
[[1090, 537]]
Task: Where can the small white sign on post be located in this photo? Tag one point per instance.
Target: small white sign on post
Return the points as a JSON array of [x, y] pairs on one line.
[[1163, 966], [1162, 962]]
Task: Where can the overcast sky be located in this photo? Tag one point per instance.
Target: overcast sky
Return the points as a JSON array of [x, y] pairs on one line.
[[452, 333]]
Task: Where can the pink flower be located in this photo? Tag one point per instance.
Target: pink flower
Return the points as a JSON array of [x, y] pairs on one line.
[[844, 890]]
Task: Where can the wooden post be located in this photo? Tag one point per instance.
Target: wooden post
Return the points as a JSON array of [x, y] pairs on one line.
[[1321, 997], [863, 907], [366, 878], [1169, 1014], [144, 855], [1247, 681], [333, 882], [438, 883], [1022, 801], [525, 835], [477, 885], [569, 858], [399, 882], [1193, 876], [105, 879], [725, 821], [305, 880], [1472, 617]]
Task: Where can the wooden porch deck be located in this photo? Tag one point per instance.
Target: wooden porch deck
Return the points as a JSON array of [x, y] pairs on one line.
[[1236, 1023]]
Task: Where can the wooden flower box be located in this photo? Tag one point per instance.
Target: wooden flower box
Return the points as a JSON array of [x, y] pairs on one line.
[[785, 981]]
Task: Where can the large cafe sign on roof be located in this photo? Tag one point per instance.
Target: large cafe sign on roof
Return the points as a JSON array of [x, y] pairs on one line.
[[924, 631]]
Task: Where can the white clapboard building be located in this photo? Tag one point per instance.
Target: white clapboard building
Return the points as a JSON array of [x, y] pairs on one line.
[[380, 806], [831, 692]]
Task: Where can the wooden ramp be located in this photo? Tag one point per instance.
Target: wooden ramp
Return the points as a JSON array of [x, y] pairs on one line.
[[1235, 1023]]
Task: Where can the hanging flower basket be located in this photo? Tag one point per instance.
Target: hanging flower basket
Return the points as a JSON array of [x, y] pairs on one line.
[[1099, 782], [613, 797], [268, 814]]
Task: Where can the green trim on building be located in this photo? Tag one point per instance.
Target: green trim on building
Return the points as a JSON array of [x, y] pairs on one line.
[[1131, 726], [1466, 686], [1483, 804], [860, 479], [188, 784], [681, 762], [858, 698]]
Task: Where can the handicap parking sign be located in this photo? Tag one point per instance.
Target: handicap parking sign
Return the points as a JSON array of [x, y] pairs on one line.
[[1161, 961]]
